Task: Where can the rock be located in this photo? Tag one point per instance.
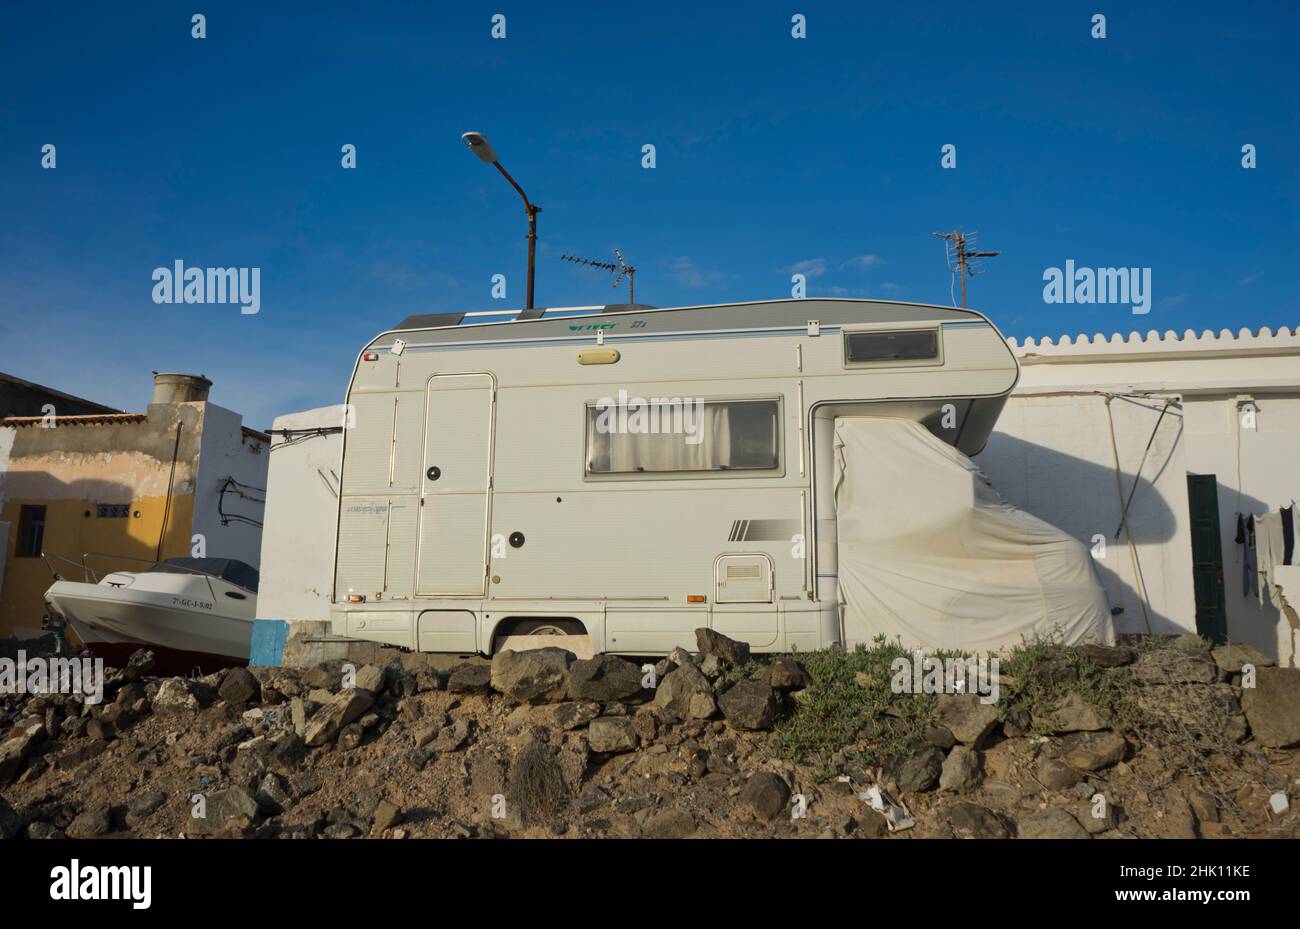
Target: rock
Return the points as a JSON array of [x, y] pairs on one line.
[[239, 687], [470, 679], [1203, 804], [962, 770], [231, 809], [673, 695], [1272, 707], [138, 665], [1092, 751], [702, 706], [91, 823], [537, 675], [452, 737], [920, 770], [143, 806], [343, 708], [1179, 822], [972, 821], [749, 704], [1232, 657], [1086, 813], [350, 737], [273, 795], [1108, 656], [387, 815], [788, 674], [572, 715], [728, 650], [1057, 775], [287, 754], [15, 750], [765, 794], [1175, 666], [604, 678], [711, 667], [370, 678], [1074, 714], [593, 798], [869, 824], [1051, 824], [940, 737], [670, 824], [10, 822], [680, 656], [966, 718], [175, 695], [612, 734]]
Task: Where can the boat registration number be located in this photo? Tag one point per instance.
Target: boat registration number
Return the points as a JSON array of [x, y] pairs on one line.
[[192, 604]]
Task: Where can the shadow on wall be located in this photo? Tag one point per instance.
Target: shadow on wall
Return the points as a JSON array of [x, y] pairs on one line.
[[1079, 497], [73, 527]]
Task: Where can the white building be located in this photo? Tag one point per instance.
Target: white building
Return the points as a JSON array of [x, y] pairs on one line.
[[1223, 406]]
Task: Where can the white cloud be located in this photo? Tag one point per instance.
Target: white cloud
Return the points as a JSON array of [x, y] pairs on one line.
[[809, 267]]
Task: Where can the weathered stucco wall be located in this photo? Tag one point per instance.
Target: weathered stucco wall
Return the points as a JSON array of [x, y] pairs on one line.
[[71, 468], [229, 452], [1052, 454]]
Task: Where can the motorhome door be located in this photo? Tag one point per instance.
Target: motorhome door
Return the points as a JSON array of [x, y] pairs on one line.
[[455, 485]]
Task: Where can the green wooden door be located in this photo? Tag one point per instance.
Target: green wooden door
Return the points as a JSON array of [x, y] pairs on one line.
[[1207, 557]]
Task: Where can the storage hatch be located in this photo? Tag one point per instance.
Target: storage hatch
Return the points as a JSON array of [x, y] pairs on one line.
[[744, 578]]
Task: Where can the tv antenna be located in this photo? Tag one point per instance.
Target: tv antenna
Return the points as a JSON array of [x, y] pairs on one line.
[[963, 259], [622, 268]]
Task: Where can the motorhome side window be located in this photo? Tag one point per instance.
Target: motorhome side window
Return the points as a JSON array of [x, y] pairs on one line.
[[900, 345], [672, 436]]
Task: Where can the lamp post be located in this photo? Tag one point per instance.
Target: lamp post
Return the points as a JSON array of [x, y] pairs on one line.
[[480, 146]]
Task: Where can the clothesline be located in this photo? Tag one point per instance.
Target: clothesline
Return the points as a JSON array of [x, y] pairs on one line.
[[1268, 540]]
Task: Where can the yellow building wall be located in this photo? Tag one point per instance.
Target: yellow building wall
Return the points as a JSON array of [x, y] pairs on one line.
[[70, 469], [73, 529]]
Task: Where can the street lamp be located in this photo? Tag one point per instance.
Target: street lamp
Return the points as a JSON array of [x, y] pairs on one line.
[[480, 146]]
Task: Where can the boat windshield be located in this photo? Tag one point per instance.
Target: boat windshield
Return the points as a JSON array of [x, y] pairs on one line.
[[228, 569]]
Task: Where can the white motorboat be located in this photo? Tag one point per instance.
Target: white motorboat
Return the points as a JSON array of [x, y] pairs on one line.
[[193, 613]]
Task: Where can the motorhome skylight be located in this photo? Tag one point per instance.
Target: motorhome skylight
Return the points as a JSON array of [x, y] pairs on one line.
[[900, 345]]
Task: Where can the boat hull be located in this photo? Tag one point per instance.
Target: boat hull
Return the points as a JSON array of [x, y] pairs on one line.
[[184, 632]]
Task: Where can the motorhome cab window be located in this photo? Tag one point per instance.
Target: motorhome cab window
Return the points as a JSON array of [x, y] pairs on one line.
[[682, 435], [900, 345]]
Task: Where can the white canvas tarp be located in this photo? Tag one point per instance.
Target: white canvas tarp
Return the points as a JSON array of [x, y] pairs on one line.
[[931, 556]]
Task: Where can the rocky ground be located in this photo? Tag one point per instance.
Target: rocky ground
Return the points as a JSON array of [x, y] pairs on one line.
[[1163, 738]]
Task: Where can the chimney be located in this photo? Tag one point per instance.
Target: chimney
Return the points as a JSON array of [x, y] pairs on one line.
[[180, 388]]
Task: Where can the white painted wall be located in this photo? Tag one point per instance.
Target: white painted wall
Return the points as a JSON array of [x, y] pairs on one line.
[[227, 451], [1052, 454], [301, 518]]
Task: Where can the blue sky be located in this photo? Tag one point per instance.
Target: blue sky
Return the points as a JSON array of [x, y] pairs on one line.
[[773, 155]]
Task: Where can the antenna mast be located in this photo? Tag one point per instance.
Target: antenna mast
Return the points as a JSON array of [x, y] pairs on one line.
[[962, 257], [623, 268]]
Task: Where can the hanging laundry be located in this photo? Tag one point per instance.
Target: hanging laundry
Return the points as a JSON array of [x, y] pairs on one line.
[[1268, 550], [1288, 534], [1246, 536]]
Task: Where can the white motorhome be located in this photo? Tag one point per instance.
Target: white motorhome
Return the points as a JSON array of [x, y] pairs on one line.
[[628, 473]]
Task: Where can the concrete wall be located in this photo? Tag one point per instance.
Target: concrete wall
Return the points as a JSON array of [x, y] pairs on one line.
[[230, 451], [1052, 454], [301, 518]]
